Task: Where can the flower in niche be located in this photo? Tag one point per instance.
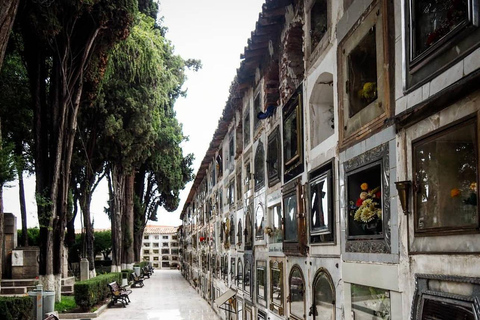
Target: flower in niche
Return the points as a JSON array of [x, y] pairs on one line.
[[455, 192], [368, 205]]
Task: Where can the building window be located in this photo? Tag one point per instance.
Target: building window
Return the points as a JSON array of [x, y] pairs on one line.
[[446, 179], [261, 281], [157, 237], [155, 258], [231, 149], [293, 137], [239, 232], [155, 251], [165, 244], [155, 265], [318, 22], [155, 244], [164, 237], [146, 258], [165, 251], [146, 251], [363, 80], [370, 302], [174, 251], [259, 222], [276, 287], [323, 296], [247, 278], [296, 284], [146, 237], [174, 244], [273, 157], [165, 264], [321, 205], [259, 166], [146, 244], [246, 128], [164, 258], [276, 235]]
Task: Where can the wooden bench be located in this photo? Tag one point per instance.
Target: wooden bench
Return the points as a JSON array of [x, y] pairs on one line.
[[137, 280], [119, 293]]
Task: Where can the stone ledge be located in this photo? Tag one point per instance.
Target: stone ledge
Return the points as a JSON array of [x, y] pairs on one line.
[[83, 315]]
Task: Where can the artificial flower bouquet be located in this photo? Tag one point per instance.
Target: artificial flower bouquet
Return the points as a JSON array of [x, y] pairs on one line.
[[367, 208]]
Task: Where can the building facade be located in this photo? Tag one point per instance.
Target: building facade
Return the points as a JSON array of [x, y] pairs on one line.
[[160, 246], [341, 181]]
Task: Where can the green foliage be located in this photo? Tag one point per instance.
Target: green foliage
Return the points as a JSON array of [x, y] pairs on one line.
[[33, 235], [103, 243], [67, 304], [90, 292], [7, 164], [16, 308]]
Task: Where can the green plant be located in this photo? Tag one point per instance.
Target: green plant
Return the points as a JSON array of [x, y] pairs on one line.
[[90, 292], [68, 303], [16, 308]]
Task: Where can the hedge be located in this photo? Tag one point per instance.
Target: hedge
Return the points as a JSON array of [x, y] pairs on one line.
[[90, 292], [16, 308]]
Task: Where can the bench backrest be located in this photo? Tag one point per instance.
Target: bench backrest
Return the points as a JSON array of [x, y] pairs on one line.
[[114, 288]]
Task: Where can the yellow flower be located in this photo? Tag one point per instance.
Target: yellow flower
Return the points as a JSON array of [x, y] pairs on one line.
[[364, 186], [473, 186], [454, 192]]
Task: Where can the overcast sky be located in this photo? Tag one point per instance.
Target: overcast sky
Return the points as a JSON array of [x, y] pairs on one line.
[[214, 31]]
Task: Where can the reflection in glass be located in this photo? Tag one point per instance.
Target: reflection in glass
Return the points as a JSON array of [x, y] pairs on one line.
[[297, 291], [246, 280], [362, 73], [239, 310], [318, 21], [246, 128], [259, 222], [369, 303], [276, 286], [434, 19], [277, 233], [319, 205], [239, 273], [290, 205], [446, 180], [290, 136], [259, 166], [261, 279], [324, 299]]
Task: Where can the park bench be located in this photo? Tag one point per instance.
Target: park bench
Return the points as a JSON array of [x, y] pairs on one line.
[[137, 280], [146, 272], [51, 317], [119, 293]]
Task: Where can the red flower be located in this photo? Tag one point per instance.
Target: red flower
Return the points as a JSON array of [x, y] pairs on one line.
[[202, 239], [359, 202]]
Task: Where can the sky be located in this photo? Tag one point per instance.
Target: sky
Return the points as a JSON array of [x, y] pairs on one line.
[[213, 31]]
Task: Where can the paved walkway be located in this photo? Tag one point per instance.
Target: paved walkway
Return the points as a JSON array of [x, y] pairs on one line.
[[165, 296]]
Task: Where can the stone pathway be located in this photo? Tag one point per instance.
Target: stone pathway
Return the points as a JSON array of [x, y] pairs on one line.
[[165, 296]]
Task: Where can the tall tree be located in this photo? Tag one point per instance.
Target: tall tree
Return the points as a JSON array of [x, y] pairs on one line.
[[141, 80], [8, 11], [61, 39], [17, 119]]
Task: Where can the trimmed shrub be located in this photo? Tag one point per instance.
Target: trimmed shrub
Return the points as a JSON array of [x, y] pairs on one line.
[[128, 272], [16, 308], [93, 291]]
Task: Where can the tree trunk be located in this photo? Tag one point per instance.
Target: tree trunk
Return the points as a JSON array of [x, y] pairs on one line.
[[8, 11], [116, 211], [129, 222], [2, 222], [23, 208], [85, 202]]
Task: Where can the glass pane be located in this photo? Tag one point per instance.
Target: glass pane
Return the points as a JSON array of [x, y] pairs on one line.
[[259, 222], [365, 202], [369, 303], [446, 180], [290, 136], [434, 19], [261, 279], [246, 129], [362, 73], [259, 166], [246, 282], [240, 273], [239, 310], [277, 297], [273, 159], [435, 309], [318, 21], [319, 205], [297, 290], [324, 299], [290, 205], [277, 232], [257, 107]]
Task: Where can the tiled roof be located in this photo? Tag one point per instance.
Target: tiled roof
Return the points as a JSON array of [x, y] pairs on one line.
[[151, 229]]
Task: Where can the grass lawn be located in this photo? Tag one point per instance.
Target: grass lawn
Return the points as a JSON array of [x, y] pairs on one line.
[[67, 304]]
